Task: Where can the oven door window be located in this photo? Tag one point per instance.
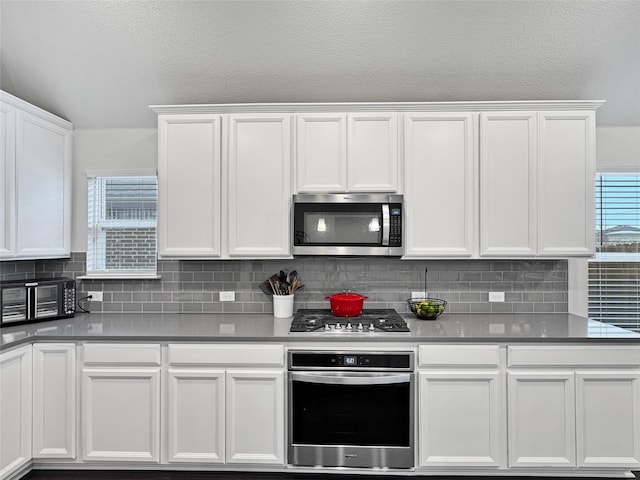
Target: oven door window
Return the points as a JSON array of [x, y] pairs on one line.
[[46, 301], [367, 415], [14, 304], [338, 224]]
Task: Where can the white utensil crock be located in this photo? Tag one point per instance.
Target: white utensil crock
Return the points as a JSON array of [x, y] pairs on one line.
[[283, 306]]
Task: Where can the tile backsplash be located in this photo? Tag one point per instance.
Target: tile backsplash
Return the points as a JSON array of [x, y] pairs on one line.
[[192, 286]]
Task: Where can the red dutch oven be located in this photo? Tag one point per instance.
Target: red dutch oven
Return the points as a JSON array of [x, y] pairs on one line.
[[346, 304]]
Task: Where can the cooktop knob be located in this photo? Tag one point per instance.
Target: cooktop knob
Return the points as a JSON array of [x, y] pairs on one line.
[[327, 327], [349, 327], [371, 327], [338, 326], [360, 327]]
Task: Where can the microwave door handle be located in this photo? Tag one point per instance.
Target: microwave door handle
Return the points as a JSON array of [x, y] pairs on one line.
[[386, 224], [345, 379]]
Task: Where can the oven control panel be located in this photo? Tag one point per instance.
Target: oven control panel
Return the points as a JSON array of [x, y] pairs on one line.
[[305, 360]]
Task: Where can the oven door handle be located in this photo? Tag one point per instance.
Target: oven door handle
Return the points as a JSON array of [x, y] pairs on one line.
[[351, 378]]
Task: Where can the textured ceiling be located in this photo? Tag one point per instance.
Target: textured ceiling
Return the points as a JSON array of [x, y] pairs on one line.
[[101, 63]]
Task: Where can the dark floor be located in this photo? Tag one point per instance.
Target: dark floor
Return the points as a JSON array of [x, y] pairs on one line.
[[167, 475]]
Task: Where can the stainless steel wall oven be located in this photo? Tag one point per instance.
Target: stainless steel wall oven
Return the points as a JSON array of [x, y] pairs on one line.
[[351, 409]]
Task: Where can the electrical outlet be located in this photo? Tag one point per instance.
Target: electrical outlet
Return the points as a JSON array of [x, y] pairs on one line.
[[416, 295], [95, 296], [227, 296], [496, 296]]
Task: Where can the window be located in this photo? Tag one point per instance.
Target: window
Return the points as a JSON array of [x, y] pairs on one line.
[[614, 273], [122, 225]]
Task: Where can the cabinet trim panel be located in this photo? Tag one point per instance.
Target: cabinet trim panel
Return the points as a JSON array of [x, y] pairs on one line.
[[54, 400], [15, 409]]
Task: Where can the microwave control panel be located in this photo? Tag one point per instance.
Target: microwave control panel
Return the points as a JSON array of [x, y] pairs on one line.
[[395, 229]]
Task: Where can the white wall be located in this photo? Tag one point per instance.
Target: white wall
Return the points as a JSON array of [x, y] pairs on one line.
[[618, 148], [118, 149]]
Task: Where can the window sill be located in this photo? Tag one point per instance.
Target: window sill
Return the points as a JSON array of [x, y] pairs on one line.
[[122, 276]]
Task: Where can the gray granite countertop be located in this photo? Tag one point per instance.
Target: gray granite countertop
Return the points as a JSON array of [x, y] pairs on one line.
[[238, 327]]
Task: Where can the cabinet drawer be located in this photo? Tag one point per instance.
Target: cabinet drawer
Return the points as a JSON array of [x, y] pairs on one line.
[[458, 355], [125, 353], [578, 356], [271, 355]]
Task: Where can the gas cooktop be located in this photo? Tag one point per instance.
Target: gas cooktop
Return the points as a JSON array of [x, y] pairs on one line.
[[369, 321]]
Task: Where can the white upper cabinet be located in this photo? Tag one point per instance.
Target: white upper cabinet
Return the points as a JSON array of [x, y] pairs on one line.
[[347, 152], [321, 148], [480, 179], [536, 183], [566, 183], [223, 202], [440, 177], [35, 161], [373, 152], [508, 164], [189, 197], [258, 186]]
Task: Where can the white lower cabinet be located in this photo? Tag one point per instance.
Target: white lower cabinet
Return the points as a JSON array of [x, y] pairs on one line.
[[255, 416], [54, 400], [541, 419], [574, 406], [15, 410], [608, 413], [461, 412], [225, 404], [120, 409], [195, 415]]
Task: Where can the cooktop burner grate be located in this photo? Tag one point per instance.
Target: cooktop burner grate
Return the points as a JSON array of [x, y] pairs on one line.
[[369, 321]]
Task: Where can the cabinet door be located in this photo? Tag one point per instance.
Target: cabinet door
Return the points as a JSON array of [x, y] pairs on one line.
[[508, 162], [259, 186], [608, 419], [440, 171], [195, 408], [321, 152], [255, 417], [7, 180], [54, 400], [43, 179], [461, 418], [120, 414], [15, 410], [189, 186], [373, 152], [566, 183], [541, 419]]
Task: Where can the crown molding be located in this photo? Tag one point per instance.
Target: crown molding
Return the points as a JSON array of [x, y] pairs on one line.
[[470, 106], [16, 102]]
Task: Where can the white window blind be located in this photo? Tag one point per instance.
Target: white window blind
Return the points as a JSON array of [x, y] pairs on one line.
[[122, 225], [614, 273]]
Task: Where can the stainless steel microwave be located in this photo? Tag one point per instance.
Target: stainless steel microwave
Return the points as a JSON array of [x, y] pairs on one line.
[[36, 300], [347, 224]]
